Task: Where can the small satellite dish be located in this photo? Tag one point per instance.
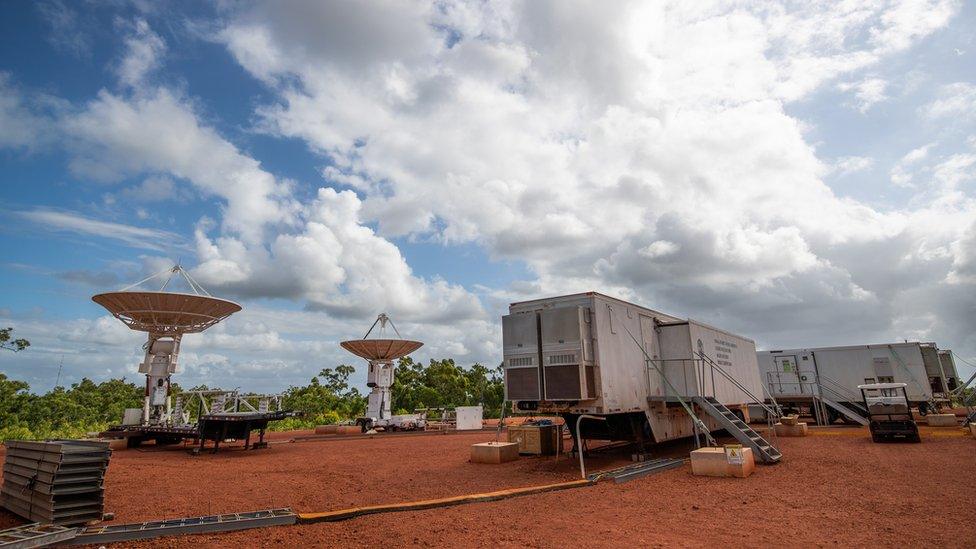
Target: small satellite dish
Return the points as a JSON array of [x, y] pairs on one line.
[[381, 349], [381, 352]]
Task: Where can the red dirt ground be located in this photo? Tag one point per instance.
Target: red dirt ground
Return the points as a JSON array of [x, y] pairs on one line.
[[833, 488]]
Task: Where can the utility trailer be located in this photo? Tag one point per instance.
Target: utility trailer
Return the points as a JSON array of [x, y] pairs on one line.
[[825, 380], [646, 376]]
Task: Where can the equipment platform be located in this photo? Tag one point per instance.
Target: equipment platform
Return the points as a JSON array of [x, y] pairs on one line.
[[214, 427]]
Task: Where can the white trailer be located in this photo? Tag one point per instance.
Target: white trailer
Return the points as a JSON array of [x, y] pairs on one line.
[[831, 375], [646, 375]]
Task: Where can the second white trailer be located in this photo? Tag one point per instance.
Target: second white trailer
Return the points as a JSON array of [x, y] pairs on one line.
[[832, 374]]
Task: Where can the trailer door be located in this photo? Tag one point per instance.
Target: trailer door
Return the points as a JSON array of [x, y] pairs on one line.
[[785, 377]]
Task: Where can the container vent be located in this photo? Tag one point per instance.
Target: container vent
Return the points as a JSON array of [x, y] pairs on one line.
[[522, 383], [563, 359], [521, 361], [563, 382]]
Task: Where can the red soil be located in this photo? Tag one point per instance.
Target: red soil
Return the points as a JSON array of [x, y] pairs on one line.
[[836, 487]]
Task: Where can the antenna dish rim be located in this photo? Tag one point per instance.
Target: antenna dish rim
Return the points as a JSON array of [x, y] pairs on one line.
[[146, 319]]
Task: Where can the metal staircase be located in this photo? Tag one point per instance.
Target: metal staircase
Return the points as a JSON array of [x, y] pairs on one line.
[[738, 429], [844, 410]]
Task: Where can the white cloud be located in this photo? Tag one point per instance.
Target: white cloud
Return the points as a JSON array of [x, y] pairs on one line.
[[644, 151], [158, 132], [66, 32], [955, 100], [868, 92], [143, 49], [155, 188], [21, 127], [136, 237], [903, 170], [847, 165]]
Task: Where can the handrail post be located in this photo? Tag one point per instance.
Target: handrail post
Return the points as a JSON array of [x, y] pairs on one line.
[[579, 440]]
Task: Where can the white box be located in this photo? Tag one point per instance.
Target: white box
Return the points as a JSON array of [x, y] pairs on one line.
[[132, 416], [469, 418]]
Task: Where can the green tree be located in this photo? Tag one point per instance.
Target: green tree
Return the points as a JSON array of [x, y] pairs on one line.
[[15, 345]]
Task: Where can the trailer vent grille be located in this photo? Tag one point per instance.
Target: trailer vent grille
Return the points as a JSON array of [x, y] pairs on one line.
[[522, 383], [562, 359], [563, 382], [521, 361]]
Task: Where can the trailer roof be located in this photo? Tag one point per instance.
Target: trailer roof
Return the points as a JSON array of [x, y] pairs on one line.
[[847, 347], [589, 294]]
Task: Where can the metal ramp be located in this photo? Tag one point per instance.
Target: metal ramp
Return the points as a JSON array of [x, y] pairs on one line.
[[738, 429], [178, 527], [844, 410], [35, 535]]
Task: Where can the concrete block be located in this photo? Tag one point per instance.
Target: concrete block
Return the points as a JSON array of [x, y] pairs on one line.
[[494, 452], [798, 430], [349, 430], [792, 419], [712, 462], [942, 420], [326, 429], [117, 444]]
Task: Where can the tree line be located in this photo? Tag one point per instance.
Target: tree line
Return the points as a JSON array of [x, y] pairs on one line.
[[87, 406]]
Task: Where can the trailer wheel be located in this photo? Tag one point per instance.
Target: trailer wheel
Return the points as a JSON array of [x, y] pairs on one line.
[[915, 438], [877, 438], [923, 408]]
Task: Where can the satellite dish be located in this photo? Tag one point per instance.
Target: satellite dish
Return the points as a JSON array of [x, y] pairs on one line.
[[381, 349], [165, 316], [380, 352], [165, 312]]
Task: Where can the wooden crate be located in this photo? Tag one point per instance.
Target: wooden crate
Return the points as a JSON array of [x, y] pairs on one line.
[[535, 439]]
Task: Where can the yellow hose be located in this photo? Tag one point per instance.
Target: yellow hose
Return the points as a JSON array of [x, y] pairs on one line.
[[352, 512]]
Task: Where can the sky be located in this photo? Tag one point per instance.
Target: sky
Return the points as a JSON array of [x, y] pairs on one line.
[[798, 173]]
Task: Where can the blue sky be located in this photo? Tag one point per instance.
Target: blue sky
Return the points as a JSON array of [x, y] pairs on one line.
[[802, 175]]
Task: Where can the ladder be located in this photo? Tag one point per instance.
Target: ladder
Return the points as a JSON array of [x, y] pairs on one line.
[[35, 535], [844, 410], [738, 429]]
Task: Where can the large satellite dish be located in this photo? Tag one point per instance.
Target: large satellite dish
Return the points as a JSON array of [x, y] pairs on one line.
[[165, 312], [381, 349], [166, 317]]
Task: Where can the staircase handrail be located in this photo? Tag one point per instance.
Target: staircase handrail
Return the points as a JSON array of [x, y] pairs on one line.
[[735, 382], [842, 392]]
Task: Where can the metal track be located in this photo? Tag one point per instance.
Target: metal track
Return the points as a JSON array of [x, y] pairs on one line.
[[631, 472], [35, 535], [192, 525]]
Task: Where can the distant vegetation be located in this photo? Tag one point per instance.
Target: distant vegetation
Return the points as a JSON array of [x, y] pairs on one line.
[[328, 398]]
